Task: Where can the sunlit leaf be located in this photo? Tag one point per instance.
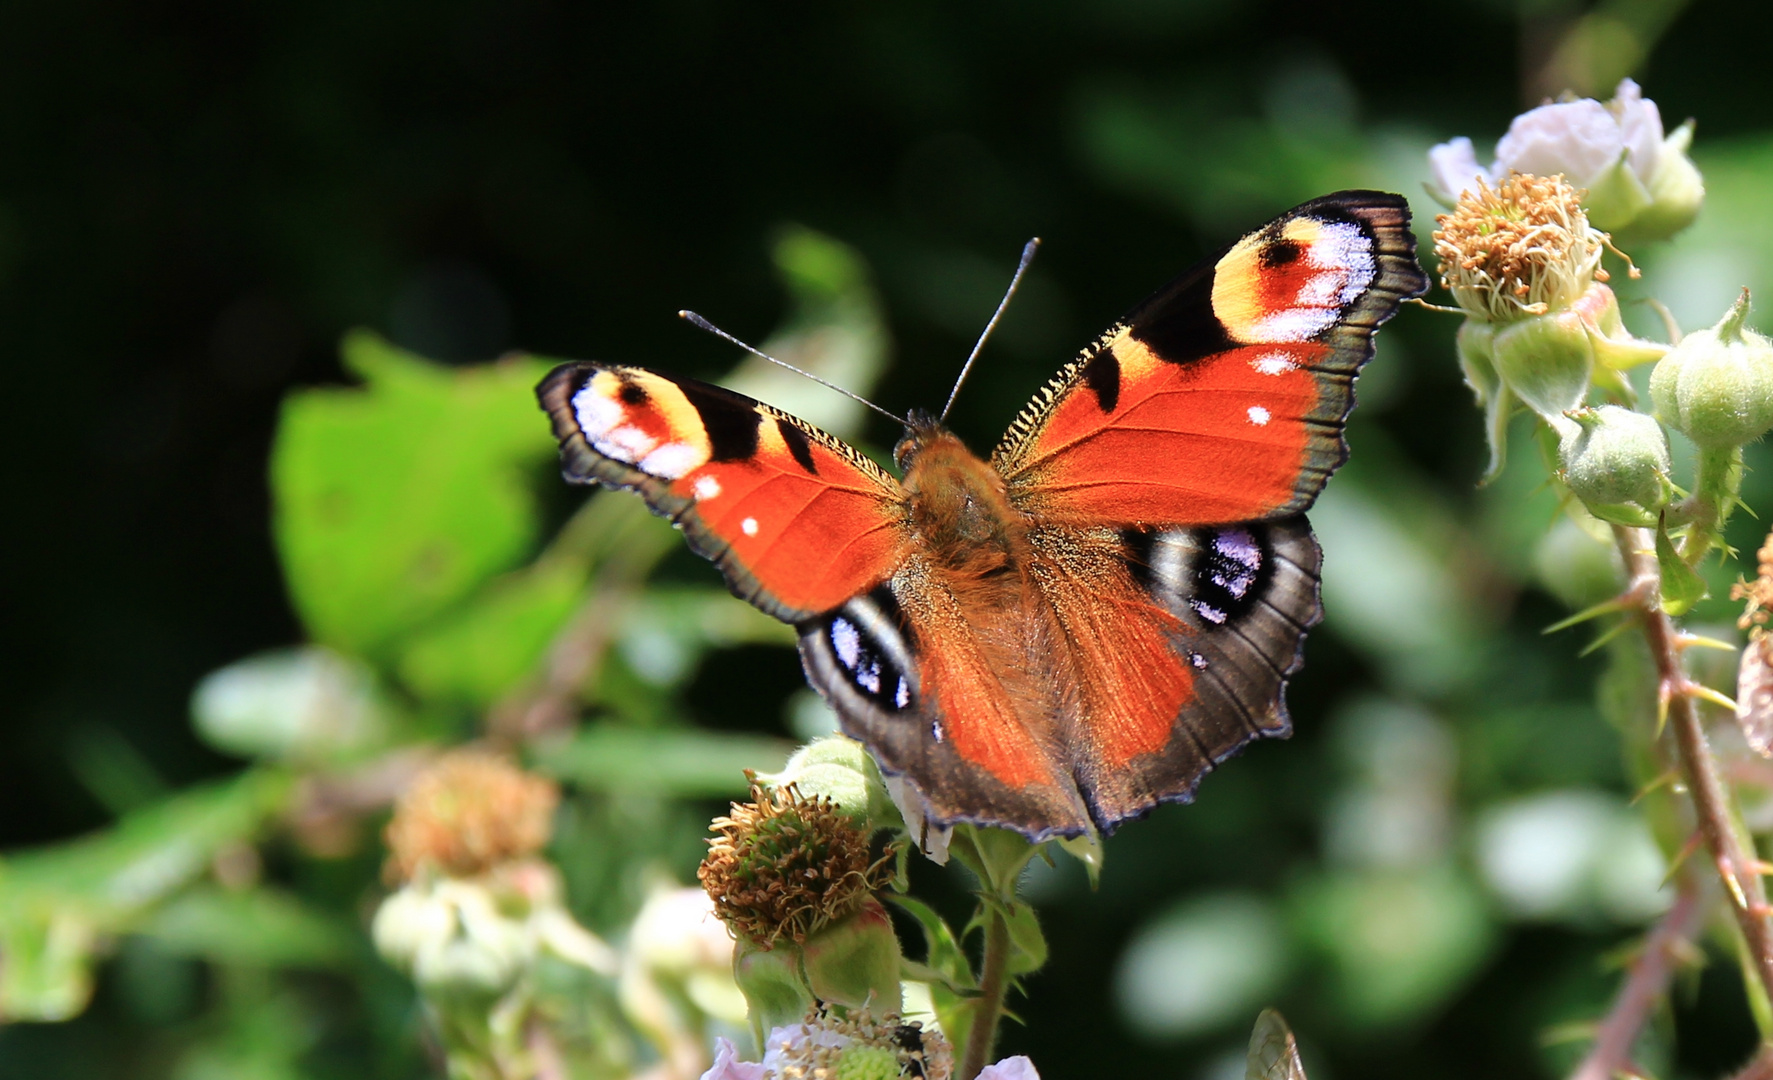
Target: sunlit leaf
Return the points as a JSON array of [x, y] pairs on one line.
[[398, 499]]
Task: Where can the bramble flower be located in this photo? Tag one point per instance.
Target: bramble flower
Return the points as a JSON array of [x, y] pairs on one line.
[[824, 1046], [1523, 263], [1634, 175]]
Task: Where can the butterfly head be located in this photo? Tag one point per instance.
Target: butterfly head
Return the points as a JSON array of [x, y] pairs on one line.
[[921, 429]]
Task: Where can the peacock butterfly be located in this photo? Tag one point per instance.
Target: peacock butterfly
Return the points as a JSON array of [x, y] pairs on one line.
[[1078, 629]]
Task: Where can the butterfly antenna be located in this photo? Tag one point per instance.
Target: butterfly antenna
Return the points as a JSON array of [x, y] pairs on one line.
[[719, 333], [1028, 250]]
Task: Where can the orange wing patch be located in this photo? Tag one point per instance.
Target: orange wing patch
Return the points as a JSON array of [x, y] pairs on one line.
[[797, 521], [1222, 398]]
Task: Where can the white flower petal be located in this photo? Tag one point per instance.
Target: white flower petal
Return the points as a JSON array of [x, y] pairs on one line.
[[727, 1065], [1579, 139], [1640, 128], [1010, 1068], [1455, 166]]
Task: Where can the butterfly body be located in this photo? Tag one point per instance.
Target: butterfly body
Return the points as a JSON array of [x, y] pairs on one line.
[[1059, 637]]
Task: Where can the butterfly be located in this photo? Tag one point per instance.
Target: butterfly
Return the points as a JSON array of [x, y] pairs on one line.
[[1060, 637]]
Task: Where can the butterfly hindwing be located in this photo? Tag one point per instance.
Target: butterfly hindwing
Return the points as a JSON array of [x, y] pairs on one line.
[[797, 521], [1222, 397]]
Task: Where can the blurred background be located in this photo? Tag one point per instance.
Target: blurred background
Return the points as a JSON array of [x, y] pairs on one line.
[[199, 201]]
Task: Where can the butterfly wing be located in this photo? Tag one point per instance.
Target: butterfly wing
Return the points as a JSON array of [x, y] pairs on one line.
[[797, 520], [1222, 397], [1167, 468]]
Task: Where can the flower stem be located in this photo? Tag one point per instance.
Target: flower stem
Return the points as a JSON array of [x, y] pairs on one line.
[[994, 982], [1644, 986], [1714, 493], [1731, 852]]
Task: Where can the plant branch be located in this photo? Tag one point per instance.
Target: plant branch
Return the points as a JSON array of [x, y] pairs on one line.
[[994, 983], [1644, 986], [1736, 864]]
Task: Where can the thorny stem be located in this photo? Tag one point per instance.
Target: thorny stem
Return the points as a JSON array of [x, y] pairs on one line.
[[1644, 986], [994, 981], [1711, 800]]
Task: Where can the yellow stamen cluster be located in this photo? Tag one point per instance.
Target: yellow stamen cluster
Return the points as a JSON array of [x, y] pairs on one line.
[[1522, 248], [865, 1047], [783, 866], [467, 813]]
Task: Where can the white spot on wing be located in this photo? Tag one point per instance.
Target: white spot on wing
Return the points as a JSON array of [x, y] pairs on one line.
[[707, 487], [1208, 612], [748, 526], [596, 413], [1294, 324], [847, 641], [1198, 661], [1258, 415], [1240, 546], [1274, 363], [671, 460], [902, 696]]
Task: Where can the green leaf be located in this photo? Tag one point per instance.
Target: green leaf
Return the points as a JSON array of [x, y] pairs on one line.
[[59, 904], [682, 762], [1681, 587], [945, 956], [397, 500], [481, 650], [261, 927], [1028, 946]]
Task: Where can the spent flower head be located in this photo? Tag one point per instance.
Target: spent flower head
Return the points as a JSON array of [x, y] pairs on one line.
[[469, 812], [1523, 247], [784, 865]]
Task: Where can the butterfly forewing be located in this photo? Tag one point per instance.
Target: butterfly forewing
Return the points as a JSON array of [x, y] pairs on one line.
[[1222, 397], [797, 520]]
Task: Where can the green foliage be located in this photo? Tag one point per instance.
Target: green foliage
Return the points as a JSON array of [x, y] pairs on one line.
[[397, 501]]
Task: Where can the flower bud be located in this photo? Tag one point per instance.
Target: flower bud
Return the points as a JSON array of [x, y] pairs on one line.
[[452, 937], [1575, 564], [1616, 461], [304, 704], [840, 769], [1716, 386], [1676, 190]]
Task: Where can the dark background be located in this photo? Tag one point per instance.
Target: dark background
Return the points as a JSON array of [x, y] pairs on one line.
[[198, 199]]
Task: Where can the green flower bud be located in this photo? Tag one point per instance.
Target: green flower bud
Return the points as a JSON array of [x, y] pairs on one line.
[[1546, 360], [1476, 348], [303, 704], [1616, 461], [1576, 565], [1677, 191], [1716, 386], [840, 769], [1616, 196]]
